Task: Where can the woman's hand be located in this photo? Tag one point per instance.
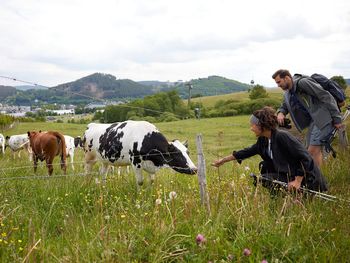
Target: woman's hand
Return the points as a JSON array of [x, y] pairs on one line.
[[295, 185], [220, 162]]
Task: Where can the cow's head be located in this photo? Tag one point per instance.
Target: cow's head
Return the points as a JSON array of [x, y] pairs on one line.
[[78, 142], [179, 159], [31, 135]]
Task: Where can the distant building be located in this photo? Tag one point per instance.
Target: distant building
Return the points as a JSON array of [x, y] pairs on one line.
[[95, 105], [63, 112]]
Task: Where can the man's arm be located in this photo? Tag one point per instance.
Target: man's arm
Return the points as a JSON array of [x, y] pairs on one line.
[[314, 89]]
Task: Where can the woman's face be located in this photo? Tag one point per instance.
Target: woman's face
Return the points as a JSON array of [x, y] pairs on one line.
[[256, 129]]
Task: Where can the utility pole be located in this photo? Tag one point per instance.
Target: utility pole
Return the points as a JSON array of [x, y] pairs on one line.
[[189, 86]]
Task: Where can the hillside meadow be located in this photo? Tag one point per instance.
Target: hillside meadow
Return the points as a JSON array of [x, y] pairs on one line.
[[77, 218]]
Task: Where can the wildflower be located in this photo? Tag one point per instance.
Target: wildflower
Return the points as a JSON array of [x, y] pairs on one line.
[[264, 261], [20, 248], [122, 216], [107, 217], [172, 195], [200, 239], [48, 199], [66, 194], [246, 252], [247, 168], [230, 257], [19, 241], [158, 201], [138, 206], [3, 234]]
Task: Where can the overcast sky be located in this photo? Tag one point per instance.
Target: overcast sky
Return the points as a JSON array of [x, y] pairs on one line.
[[56, 41]]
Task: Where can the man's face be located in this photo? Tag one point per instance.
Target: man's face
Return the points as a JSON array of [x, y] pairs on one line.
[[284, 83]]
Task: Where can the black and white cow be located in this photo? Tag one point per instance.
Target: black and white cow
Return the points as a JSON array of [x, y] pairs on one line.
[[135, 143]]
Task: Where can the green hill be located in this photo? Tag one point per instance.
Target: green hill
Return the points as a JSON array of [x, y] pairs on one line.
[[6, 91], [104, 86], [212, 85]]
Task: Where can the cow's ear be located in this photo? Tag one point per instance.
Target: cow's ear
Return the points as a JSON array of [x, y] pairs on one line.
[[28, 132], [185, 143]]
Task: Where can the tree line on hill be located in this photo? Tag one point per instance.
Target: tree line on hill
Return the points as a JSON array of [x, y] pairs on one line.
[[168, 106]]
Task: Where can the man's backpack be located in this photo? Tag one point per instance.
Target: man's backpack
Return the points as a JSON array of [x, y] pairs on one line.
[[332, 87]]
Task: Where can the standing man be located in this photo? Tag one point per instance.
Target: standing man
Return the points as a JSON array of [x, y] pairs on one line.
[[309, 105]]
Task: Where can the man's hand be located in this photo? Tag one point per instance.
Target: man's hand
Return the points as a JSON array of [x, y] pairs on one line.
[[338, 125], [280, 118]]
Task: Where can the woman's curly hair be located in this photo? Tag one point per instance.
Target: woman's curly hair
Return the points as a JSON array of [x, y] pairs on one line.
[[267, 118]]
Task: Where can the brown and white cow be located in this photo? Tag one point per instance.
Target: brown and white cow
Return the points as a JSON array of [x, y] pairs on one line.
[[47, 145], [135, 143]]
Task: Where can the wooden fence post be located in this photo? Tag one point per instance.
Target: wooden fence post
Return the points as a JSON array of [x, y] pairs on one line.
[[201, 173]]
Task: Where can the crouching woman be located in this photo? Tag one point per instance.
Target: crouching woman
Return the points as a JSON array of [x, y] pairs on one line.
[[284, 157]]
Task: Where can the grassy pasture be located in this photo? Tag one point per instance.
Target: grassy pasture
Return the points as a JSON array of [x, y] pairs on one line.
[[79, 219], [209, 101]]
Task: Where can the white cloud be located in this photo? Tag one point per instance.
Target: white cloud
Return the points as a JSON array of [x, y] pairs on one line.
[[52, 42]]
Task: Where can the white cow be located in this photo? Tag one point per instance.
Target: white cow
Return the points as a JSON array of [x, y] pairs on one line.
[[70, 147], [19, 142], [2, 143]]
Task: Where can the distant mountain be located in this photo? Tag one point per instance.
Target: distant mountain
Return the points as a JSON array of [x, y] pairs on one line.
[[107, 87], [28, 87], [347, 81], [6, 91], [104, 86]]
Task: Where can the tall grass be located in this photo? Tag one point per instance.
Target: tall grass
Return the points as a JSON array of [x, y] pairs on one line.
[[81, 219]]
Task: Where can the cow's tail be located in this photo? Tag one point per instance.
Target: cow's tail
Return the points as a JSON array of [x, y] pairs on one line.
[[62, 142]]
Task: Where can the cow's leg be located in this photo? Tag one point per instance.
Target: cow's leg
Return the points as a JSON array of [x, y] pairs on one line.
[[35, 159], [63, 165], [49, 161], [104, 170], [90, 160], [72, 161], [138, 175]]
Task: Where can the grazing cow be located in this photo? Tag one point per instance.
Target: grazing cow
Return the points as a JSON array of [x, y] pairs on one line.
[[135, 143], [78, 142], [18, 142], [47, 145], [2, 143], [70, 147]]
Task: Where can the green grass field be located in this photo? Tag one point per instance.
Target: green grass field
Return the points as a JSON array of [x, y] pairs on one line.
[[78, 218]]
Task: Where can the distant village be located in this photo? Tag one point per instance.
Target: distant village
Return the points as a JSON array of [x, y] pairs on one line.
[[21, 111]]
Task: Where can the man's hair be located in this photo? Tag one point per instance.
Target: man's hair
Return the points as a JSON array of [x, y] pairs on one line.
[[267, 118], [282, 73]]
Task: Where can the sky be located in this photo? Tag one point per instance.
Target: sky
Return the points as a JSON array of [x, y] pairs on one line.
[[51, 42]]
